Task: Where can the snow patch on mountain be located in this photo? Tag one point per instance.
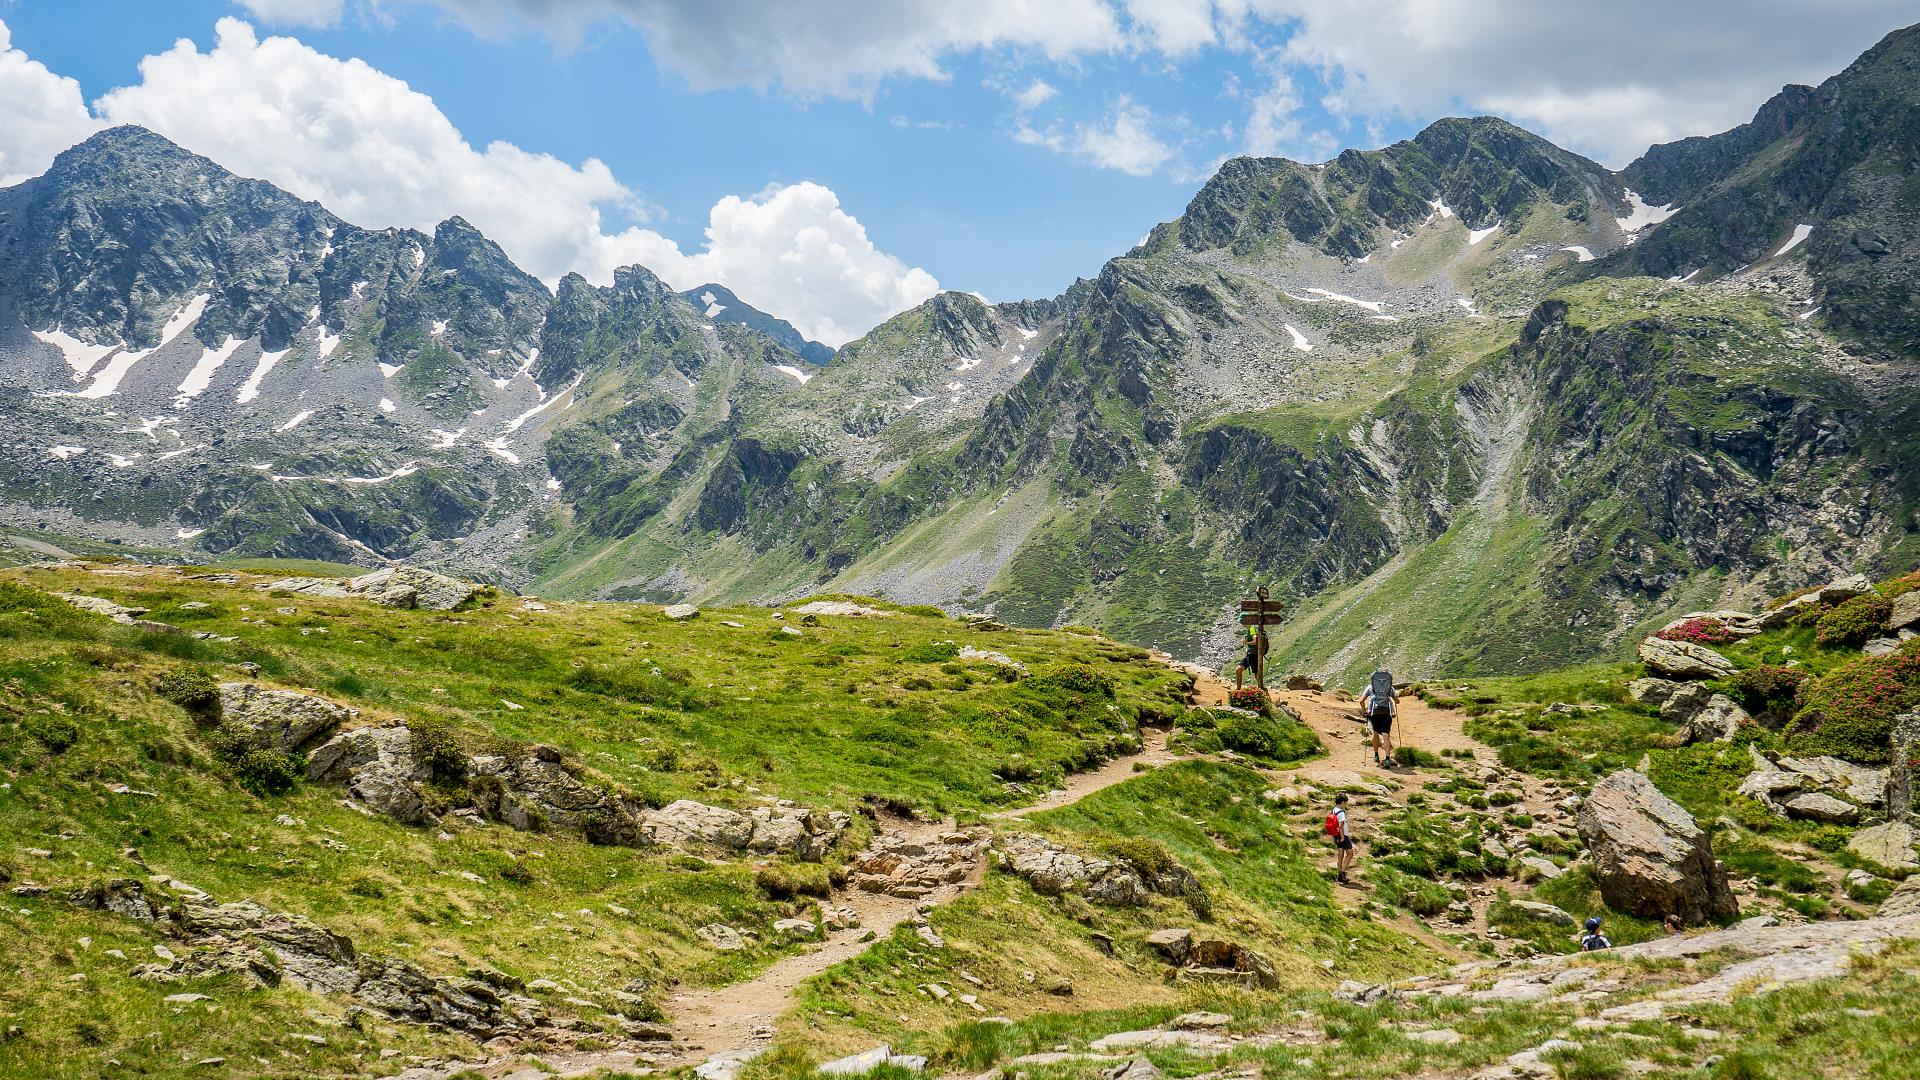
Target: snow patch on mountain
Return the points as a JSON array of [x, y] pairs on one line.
[[109, 378], [251, 388], [65, 452], [498, 448], [1800, 234], [1580, 251], [298, 419], [1640, 215], [81, 356], [1299, 339], [388, 371], [1474, 236], [203, 371]]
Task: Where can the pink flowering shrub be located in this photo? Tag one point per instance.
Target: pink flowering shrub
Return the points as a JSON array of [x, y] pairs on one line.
[[1707, 631]]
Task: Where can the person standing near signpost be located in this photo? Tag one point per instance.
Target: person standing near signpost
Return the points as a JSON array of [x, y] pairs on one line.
[[1256, 615]]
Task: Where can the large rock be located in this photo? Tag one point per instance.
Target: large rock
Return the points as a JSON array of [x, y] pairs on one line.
[[282, 720], [1906, 611], [1819, 806], [1890, 845], [805, 834], [243, 939], [902, 866], [1174, 943], [412, 587], [1683, 660], [1903, 775], [1717, 721], [692, 824], [309, 586], [378, 767], [1904, 901], [535, 788], [1654, 693], [1053, 870], [98, 605], [1649, 856]]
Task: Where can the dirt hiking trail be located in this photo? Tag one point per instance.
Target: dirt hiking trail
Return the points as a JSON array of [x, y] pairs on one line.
[[717, 1029]]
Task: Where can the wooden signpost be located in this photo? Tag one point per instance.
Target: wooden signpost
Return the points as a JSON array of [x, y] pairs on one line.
[[1260, 612]]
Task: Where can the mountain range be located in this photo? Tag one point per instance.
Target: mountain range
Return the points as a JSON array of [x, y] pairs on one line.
[[1469, 402]]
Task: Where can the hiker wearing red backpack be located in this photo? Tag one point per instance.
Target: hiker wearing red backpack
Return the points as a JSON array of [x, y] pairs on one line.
[[1342, 838]]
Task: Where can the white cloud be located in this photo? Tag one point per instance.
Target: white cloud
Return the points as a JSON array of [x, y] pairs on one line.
[[45, 114], [794, 252], [1034, 96], [837, 48], [1607, 80], [379, 153], [296, 12], [1124, 141], [1172, 27]]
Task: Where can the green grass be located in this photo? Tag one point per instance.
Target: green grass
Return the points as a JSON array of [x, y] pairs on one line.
[[664, 709]]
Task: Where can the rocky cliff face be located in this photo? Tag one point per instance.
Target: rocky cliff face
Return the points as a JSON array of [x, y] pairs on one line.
[[1437, 395]]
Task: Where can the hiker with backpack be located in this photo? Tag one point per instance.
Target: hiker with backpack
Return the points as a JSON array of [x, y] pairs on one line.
[[1593, 940], [1380, 704], [1256, 658], [1342, 838]]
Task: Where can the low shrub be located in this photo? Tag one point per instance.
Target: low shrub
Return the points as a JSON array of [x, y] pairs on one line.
[[1251, 697], [437, 748], [1412, 758], [1267, 738], [195, 690], [1900, 586], [266, 772], [1076, 678], [1418, 895], [1849, 711], [1702, 631], [1768, 687], [1853, 621]]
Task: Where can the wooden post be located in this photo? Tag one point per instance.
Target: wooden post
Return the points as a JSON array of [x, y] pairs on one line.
[[1263, 613]]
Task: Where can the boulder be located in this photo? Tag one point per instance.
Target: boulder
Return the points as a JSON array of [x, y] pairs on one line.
[[1138, 1068], [722, 937], [1649, 856], [1683, 660], [863, 1063], [899, 866], [1303, 682], [1906, 611], [1831, 593], [1173, 944], [1890, 845], [1819, 806], [1053, 870], [679, 612], [1544, 912], [1903, 775], [1885, 646], [1904, 901], [686, 823], [1858, 783], [805, 834], [378, 767], [309, 586], [1716, 721], [534, 788], [280, 720], [1654, 693], [119, 613], [1225, 961], [412, 587]]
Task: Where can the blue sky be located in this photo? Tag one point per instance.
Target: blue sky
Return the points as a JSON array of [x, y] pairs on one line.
[[996, 146]]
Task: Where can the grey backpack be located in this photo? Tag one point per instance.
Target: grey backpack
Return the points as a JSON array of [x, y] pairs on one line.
[[1382, 686]]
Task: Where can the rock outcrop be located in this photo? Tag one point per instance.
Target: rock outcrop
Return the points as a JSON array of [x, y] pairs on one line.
[[913, 868], [283, 720], [1683, 660], [412, 587], [1703, 716], [1815, 788], [1053, 871], [1831, 593], [378, 767], [245, 940], [1649, 856], [1890, 845], [1903, 775]]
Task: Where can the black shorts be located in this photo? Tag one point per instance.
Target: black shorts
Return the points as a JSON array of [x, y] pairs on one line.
[[1343, 843], [1381, 721], [1251, 660]]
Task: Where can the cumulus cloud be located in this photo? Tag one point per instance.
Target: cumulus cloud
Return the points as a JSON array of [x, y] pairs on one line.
[[1125, 140], [1608, 80], [835, 48], [45, 114], [1034, 96], [379, 153], [296, 12]]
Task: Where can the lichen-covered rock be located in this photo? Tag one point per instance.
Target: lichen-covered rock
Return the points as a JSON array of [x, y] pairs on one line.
[[679, 612], [686, 823], [1683, 660], [903, 866], [282, 720], [378, 767], [1649, 856], [1903, 774], [804, 833], [535, 788], [1890, 845], [1819, 806], [1718, 720], [412, 587], [1053, 871], [309, 586], [119, 613]]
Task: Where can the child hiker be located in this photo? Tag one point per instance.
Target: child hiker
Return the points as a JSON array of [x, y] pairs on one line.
[[1342, 837]]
